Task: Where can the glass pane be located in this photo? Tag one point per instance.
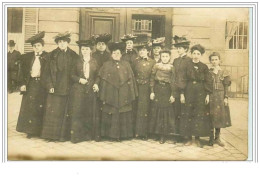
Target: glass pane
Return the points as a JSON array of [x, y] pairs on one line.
[[231, 43], [245, 28], [235, 42], [245, 43], [240, 42], [241, 28]]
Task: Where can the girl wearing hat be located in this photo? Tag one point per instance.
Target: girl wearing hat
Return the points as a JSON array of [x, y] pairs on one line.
[[57, 79], [30, 81], [195, 120], [101, 54], [129, 54], [157, 45], [162, 119], [219, 110], [83, 112], [180, 64], [117, 91], [142, 68]]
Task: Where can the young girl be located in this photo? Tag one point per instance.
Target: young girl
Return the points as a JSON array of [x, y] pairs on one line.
[[162, 119], [195, 121], [219, 110]]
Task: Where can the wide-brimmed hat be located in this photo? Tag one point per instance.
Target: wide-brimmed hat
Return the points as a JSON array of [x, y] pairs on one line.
[[63, 36], [11, 43], [128, 37], [180, 41], [36, 38], [106, 37], [87, 43], [158, 41], [112, 46]]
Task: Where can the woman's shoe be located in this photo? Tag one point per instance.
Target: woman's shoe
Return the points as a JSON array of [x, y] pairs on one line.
[[197, 142], [219, 142]]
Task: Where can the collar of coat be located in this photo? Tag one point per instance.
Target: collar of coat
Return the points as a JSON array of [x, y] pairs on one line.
[[55, 53]]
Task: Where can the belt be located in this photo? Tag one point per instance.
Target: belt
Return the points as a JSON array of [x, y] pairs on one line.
[[36, 78]]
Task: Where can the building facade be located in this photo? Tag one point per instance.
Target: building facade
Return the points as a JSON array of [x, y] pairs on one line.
[[218, 29]]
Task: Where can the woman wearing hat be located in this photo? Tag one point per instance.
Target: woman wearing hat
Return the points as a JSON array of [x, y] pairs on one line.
[[30, 81], [195, 121], [12, 66], [129, 54], [83, 99], [157, 45], [180, 64], [117, 91], [142, 68], [57, 80], [101, 54]]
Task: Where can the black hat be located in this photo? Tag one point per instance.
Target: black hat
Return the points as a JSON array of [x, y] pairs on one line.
[[116, 46], [180, 41], [86, 43], [158, 41], [198, 47], [11, 43], [102, 38], [63, 36], [143, 45], [128, 37], [36, 38]]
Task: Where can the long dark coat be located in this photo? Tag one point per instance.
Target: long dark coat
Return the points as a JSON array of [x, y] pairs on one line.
[[130, 56], [142, 71], [180, 64], [33, 101], [58, 76], [13, 67], [83, 108], [101, 58], [219, 113], [195, 121], [117, 92]]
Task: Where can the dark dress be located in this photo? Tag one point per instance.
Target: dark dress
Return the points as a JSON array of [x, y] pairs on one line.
[[117, 91], [83, 112], [180, 64], [195, 121], [162, 116], [13, 67], [219, 113], [142, 70], [101, 58], [33, 101], [130, 56], [58, 76]]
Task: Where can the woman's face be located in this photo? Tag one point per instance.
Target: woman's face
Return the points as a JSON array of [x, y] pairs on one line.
[[156, 50], [129, 44], [215, 61], [37, 47], [143, 52], [101, 46], [63, 44], [196, 55], [85, 51], [165, 57], [181, 50], [116, 55]]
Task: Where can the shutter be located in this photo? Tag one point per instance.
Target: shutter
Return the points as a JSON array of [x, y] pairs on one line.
[[30, 26]]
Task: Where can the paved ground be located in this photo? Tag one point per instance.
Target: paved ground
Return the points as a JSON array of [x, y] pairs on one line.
[[235, 138]]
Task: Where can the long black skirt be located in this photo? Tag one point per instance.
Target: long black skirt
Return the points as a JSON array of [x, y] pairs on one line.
[[32, 108]]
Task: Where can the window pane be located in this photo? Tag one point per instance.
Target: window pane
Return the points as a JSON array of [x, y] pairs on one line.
[[245, 28], [235, 42], [240, 42], [241, 28], [231, 43], [245, 43]]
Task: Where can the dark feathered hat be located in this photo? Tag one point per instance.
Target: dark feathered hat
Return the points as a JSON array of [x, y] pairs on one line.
[[63, 36], [36, 38], [180, 41], [102, 38], [128, 37], [112, 46], [87, 43], [158, 42]]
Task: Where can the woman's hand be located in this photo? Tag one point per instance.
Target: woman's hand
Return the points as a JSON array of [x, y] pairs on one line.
[[226, 101], [23, 88], [207, 99], [95, 88], [182, 99], [83, 81], [152, 96], [51, 90], [172, 99]]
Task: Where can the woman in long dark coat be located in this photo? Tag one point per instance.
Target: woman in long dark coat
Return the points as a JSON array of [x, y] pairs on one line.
[[33, 102], [83, 111], [219, 109], [57, 80], [196, 119], [130, 53], [117, 91], [162, 116], [142, 68]]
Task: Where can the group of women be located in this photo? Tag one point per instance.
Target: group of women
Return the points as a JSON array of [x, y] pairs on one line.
[[120, 93]]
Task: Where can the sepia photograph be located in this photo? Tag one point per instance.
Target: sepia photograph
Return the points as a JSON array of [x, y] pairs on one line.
[[126, 83]]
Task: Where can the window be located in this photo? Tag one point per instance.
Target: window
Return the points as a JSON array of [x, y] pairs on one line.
[[142, 25], [236, 35], [15, 20]]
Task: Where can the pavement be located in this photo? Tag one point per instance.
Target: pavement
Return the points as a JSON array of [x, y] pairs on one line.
[[235, 139]]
